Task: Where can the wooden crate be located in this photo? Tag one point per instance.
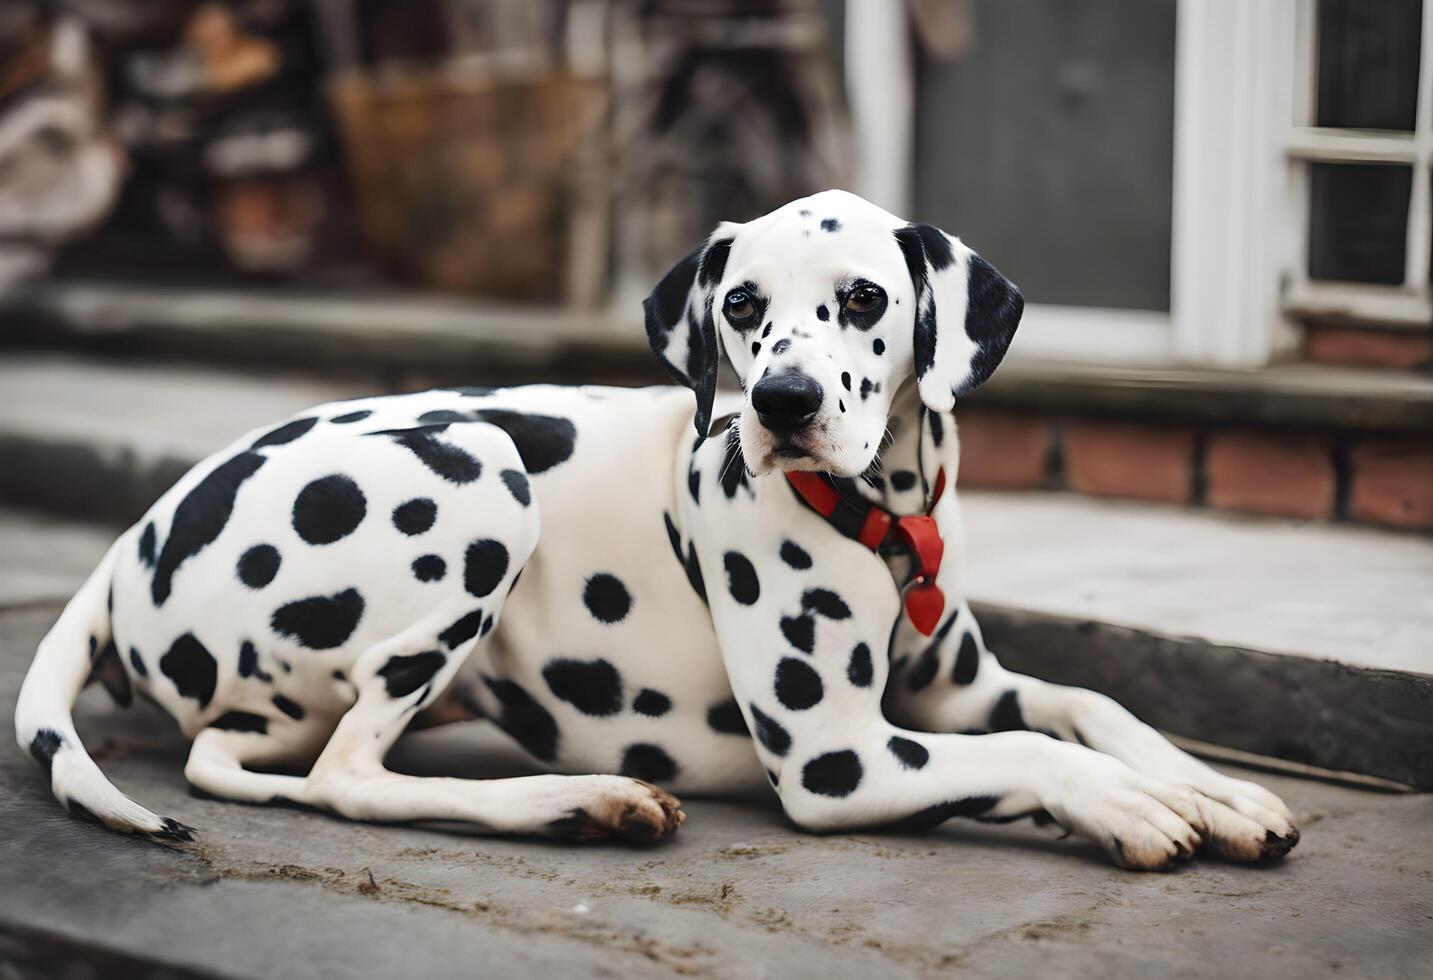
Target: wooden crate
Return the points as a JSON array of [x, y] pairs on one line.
[[482, 184]]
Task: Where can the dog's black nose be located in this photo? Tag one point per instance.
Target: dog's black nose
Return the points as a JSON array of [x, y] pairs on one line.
[[786, 402]]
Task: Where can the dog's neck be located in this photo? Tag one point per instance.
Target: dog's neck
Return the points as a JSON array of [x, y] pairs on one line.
[[902, 478]]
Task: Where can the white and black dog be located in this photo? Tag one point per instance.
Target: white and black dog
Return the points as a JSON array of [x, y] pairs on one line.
[[766, 601]]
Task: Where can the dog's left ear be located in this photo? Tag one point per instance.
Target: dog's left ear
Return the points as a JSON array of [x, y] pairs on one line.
[[966, 314], [680, 324]]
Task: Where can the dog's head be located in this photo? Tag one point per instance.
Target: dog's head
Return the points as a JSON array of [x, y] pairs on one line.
[[825, 307]]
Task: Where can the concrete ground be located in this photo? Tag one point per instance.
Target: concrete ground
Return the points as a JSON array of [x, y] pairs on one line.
[[276, 892]]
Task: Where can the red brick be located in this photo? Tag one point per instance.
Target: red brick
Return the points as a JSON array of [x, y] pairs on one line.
[[1393, 482], [1002, 449], [1289, 474], [1129, 459], [1371, 348]]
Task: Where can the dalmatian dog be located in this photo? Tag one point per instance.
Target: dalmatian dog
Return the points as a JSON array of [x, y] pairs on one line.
[[773, 599]]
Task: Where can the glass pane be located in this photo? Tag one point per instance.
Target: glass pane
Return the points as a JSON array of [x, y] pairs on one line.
[[1358, 221], [1368, 63], [1048, 146]]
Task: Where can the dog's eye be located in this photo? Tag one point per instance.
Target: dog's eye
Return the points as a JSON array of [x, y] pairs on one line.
[[739, 305], [864, 299]]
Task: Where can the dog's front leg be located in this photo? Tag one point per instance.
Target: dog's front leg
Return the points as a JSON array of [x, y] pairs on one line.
[[952, 683], [805, 651]]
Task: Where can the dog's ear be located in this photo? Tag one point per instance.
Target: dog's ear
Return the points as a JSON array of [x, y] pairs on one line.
[[966, 314], [680, 323]]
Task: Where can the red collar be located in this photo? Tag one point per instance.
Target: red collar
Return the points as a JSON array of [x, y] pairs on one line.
[[871, 524]]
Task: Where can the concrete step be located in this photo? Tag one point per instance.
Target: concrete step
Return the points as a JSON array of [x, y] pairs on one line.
[[1310, 643], [390, 332]]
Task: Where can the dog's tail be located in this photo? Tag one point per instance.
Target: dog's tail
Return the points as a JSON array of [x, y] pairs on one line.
[[44, 725]]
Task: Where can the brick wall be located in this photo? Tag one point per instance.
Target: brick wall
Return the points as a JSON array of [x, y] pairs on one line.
[[1385, 480]]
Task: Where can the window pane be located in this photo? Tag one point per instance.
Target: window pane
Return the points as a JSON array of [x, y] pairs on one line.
[[1368, 63], [1048, 146], [1358, 221]]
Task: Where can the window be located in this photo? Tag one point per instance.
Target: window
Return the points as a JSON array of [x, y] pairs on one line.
[[1302, 152], [1361, 162]]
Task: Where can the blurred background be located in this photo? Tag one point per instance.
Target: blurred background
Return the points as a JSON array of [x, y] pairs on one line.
[[213, 214], [405, 193]]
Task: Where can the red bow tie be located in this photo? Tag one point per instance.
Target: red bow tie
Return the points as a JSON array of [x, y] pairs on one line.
[[872, 524]]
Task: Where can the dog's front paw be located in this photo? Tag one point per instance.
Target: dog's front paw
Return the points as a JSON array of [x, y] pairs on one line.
[[1143, 824], [622, 808], [1245, 822]]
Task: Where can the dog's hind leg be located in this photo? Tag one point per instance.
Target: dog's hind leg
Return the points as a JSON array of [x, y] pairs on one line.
[[394, 680]]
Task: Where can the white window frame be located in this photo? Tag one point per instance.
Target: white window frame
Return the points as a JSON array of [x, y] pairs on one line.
[[1234, 71], [1409, 305]]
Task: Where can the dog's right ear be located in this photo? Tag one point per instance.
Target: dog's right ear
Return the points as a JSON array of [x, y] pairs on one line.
[[680, 323]]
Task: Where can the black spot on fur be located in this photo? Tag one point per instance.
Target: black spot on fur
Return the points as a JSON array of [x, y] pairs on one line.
[[903, 480], [593, 687], [543, 441], [859, 670], [452, 463], [1007, 717], [285, 433], [928, 663], [937, 428], [259, 565], [795, 556], [688, 562], [137, 662], [199, 518], [741, 578], [517, 485], [329, 509], [846, 380], [925, 669], [909, 753], [770, 733], [249, 663], [800, 632], [694, 485], [320, 622], [45, 744], [879, 346], [866, 388], [798, 686], [933, 816], [646, 761], [405, 674], [967, 661], [462, 630], [350, 417], [726, 718], [733, 465], [415, 516], [484, 565], [755, 347], [826, 603], [822, 313], [429, 568], [834, 774], [781, 346], [443, 415], [241, 721], [830, 224], [192, 668], [489, 622], [653, 704], [606, 598], [146, 545]]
